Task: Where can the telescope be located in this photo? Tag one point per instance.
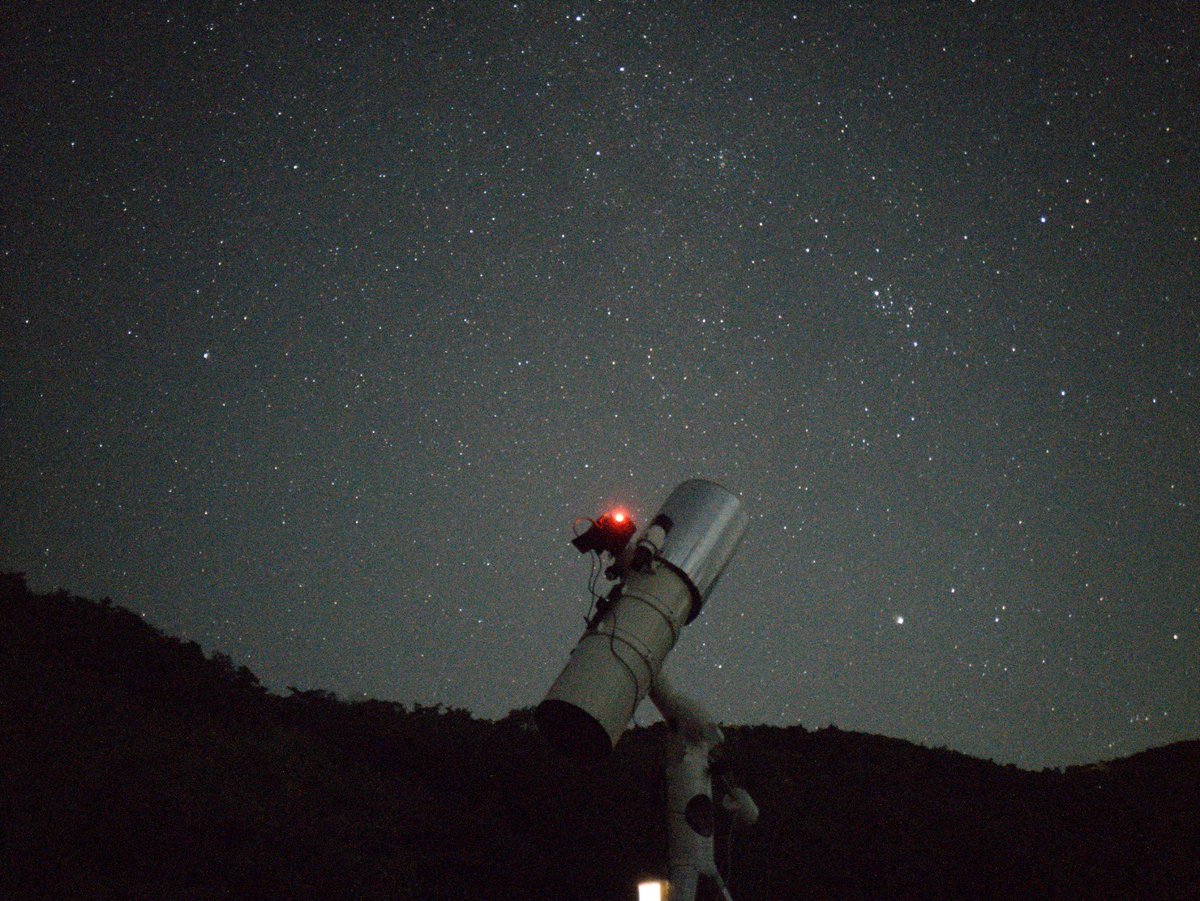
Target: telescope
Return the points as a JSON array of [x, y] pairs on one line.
[[663, 582]]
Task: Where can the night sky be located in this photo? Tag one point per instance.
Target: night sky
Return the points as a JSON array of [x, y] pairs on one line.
[[320, 324]]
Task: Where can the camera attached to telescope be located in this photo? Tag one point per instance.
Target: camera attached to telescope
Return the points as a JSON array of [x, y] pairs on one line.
[[610, 533]]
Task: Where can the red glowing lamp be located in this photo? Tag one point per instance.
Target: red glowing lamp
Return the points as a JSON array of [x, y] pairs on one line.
[[610, 533]]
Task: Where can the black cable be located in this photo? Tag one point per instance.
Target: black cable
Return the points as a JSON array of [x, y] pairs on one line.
[[594, 578], [597, 566], [612, 649]]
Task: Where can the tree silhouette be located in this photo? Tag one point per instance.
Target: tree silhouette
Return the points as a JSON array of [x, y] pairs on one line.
[[134, 765]]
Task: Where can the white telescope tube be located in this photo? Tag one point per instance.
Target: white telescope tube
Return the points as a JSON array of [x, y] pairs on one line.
[[614, 664]]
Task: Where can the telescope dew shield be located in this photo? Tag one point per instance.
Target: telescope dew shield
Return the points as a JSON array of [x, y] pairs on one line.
[[706, 524], [615, 662]]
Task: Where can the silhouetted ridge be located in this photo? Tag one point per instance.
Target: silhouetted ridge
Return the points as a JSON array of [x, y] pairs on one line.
[[137, 766]]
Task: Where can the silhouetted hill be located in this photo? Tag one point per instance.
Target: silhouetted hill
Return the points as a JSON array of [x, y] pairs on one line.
[[135, 766]]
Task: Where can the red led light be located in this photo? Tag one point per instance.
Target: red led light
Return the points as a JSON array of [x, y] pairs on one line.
[[619, 516]]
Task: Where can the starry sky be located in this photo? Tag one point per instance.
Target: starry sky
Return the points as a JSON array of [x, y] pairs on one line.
[[320, 325]]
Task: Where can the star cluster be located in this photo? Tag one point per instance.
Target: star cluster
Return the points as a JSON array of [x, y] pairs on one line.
[[321, 326]]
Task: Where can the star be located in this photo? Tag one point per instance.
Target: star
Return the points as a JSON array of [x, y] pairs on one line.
[[533, 271]]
